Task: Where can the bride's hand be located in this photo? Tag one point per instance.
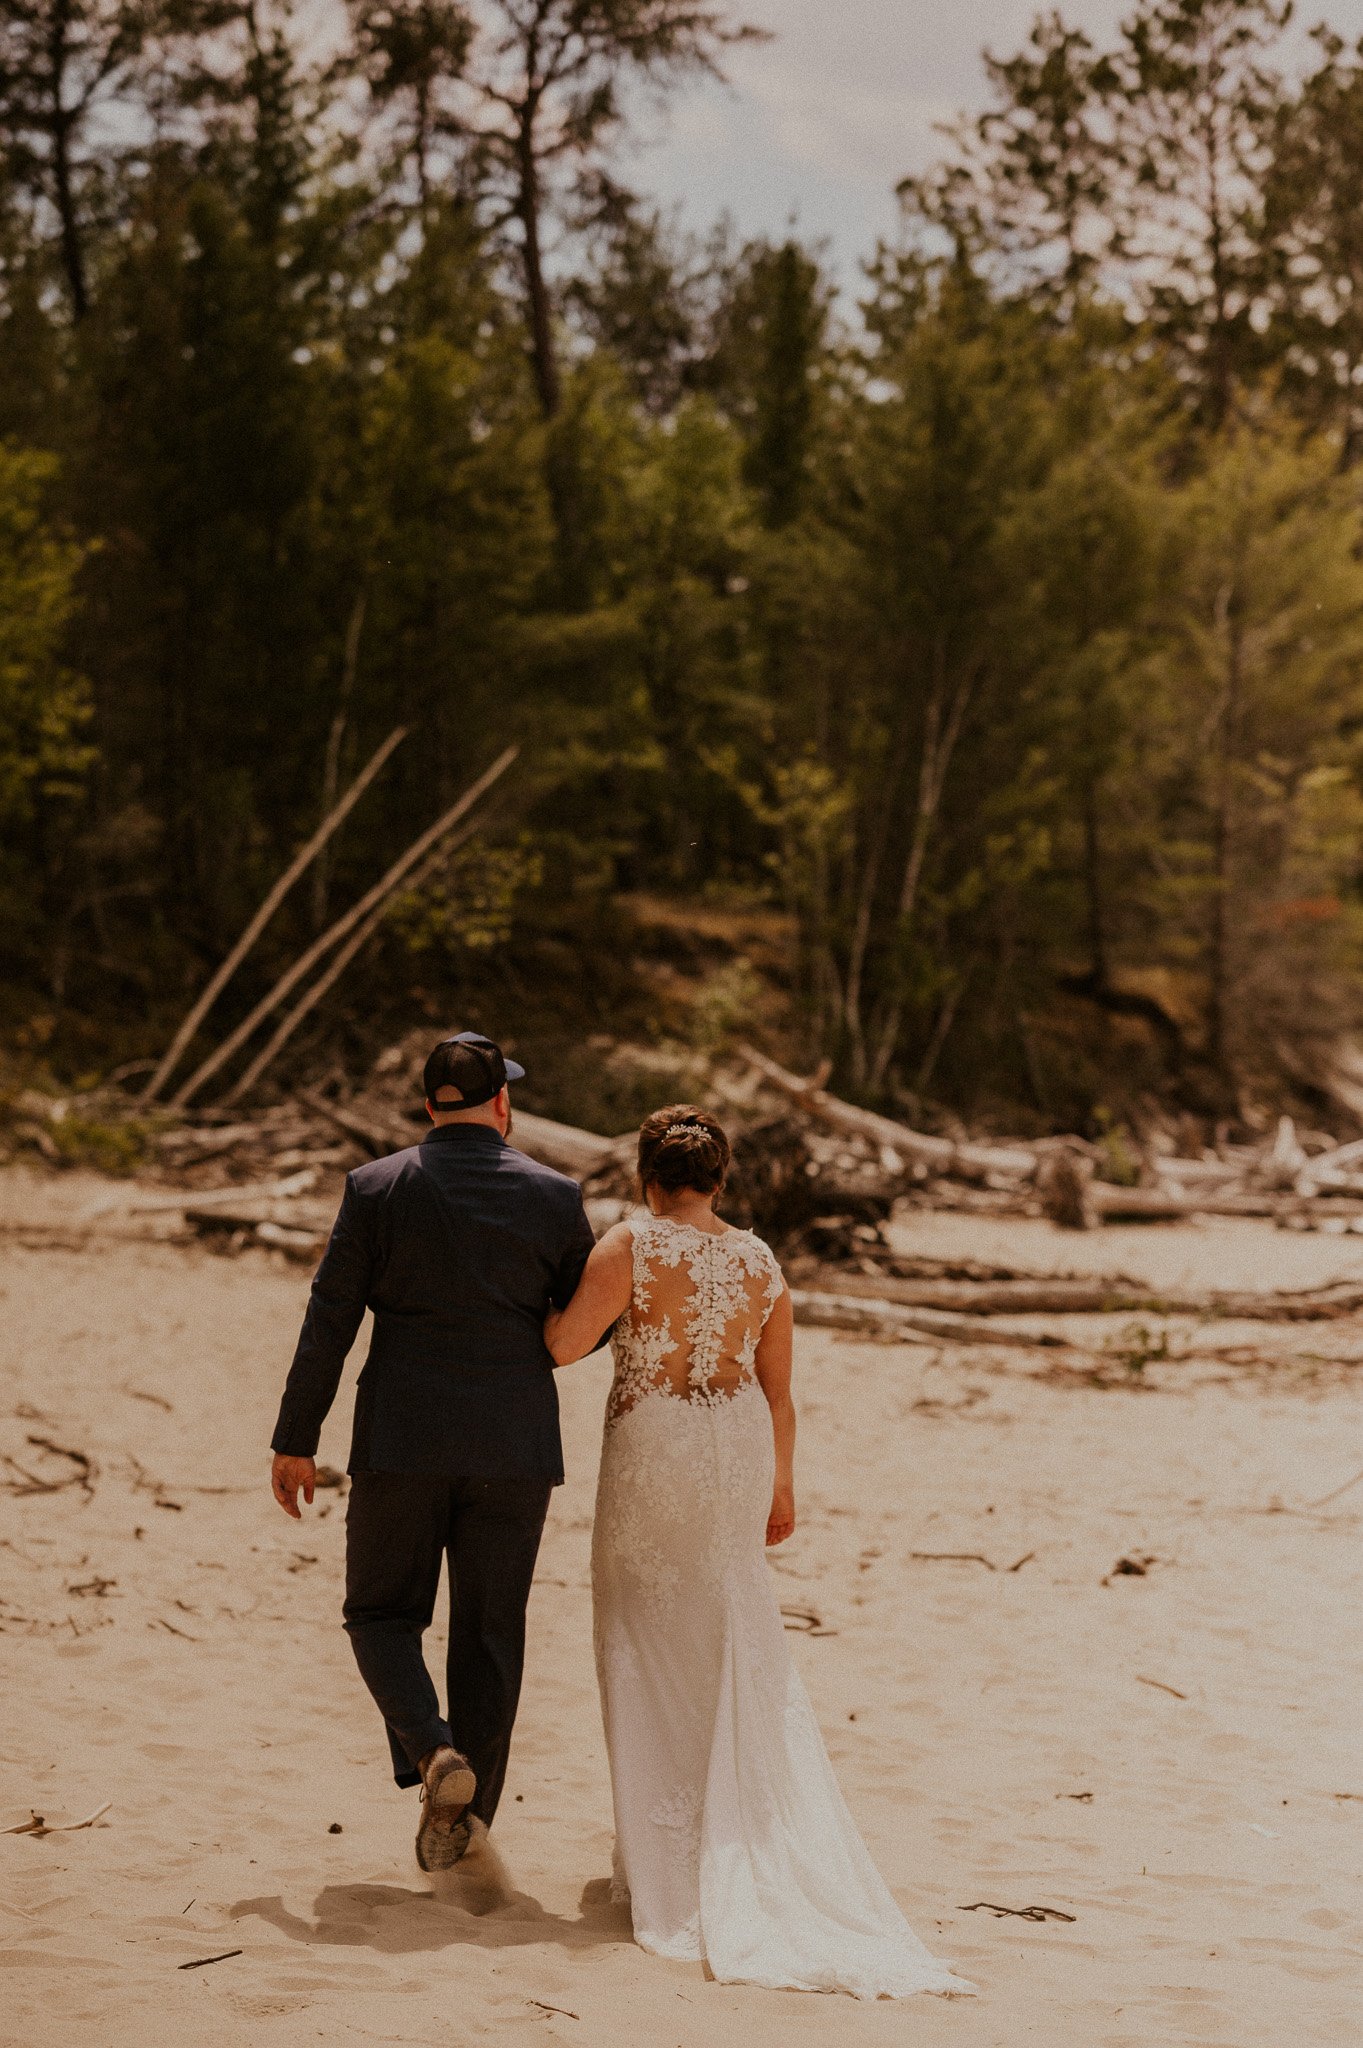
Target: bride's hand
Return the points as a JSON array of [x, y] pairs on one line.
[[781, 1520]]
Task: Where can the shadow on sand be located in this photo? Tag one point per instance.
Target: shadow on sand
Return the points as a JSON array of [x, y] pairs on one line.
[[475, 1909]]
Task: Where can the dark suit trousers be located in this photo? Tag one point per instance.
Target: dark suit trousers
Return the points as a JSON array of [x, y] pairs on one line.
[[399, 1528]]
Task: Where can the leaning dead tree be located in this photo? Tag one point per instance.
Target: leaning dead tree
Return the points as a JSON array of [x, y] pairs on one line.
[[296, 869], [378, 896]]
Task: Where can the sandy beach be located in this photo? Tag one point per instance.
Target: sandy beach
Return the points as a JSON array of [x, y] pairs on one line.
[[1167, 1755]]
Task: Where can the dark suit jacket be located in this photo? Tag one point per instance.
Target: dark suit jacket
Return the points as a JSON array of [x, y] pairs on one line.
[[458, 1245]]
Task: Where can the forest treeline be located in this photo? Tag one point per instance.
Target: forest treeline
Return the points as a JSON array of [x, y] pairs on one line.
[[999, 622]]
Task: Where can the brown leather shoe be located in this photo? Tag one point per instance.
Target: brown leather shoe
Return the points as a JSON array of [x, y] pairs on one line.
[[444, 1832]]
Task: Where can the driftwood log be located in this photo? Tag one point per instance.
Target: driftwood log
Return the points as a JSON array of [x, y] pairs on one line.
[[903, 1146], [1044, 1296], [860, 1316], [569, 1150], [1279, 1182], [562, 1146]]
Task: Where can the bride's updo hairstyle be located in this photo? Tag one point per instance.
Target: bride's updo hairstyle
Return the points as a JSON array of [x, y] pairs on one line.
[[683, 1147]]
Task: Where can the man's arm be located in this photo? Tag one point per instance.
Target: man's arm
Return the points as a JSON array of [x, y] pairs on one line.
[[336, 1308], [572, 1263], [602, 1296]]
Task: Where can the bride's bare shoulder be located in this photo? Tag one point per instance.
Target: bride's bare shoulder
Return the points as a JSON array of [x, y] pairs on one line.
[[618, 1238]]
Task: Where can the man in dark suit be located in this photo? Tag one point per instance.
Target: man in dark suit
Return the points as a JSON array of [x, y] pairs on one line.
[[459, 1246]]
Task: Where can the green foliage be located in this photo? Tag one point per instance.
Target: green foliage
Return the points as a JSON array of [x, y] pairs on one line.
[[725, 1005], [471, 904], [107, 1147], [45, 756], [1118, 1161], [1139, 1346], [1000, 640]]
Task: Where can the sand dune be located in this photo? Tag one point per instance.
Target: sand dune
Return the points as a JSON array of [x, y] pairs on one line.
[[1172, 1758]]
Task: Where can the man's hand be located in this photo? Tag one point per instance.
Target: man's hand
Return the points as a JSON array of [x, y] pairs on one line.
[[781, 1520], [288, 1478]]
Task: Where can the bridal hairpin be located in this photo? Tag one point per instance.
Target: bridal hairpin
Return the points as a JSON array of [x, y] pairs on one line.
[[681, 1130]]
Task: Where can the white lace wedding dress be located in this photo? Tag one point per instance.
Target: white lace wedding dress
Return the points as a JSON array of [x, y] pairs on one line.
[[733, 1843]]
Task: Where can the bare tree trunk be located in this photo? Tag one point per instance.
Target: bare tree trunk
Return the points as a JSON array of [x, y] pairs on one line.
[[942, 729], [1227, 741], [861, 927], [946, 1017], [73, 253], [331, 768], [528, 210], [423, 144], [1219, 347], [1093, 890], [809, 911]]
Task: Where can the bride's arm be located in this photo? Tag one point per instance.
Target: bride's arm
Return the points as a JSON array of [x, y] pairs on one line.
[[602, 1295], [773, 1363]]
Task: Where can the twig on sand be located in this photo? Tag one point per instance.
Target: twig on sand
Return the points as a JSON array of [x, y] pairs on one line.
[[160, 1622], [83, 1475], [1017, 1912], [1326, 1498], [202, 1962], [37, 1825], [561, 2010], [805, 1621], [84, 1465], [1160, 1686], [957, 1557], [1026, 1558], [73, 1827]]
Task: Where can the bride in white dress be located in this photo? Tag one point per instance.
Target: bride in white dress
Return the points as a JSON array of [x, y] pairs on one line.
[[733, 1842]]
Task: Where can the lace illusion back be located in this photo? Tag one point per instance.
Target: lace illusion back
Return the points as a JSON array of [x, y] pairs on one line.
[[701, 1301], [733, 1843]]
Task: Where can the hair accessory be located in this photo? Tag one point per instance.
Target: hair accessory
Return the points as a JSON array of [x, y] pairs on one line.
[[683, 1130]]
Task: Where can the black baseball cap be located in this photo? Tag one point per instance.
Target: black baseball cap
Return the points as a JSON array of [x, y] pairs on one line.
[[471, 1068]]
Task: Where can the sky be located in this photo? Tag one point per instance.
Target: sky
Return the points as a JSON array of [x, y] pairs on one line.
[[820, 124]]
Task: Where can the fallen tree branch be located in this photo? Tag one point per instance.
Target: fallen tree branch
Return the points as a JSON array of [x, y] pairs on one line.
[[378, 1139], [886, 1319], [954, 1557], [1160, 1686], [565, 1147], [1017, 1912], [562, 1146], [73, 1827], [1326, 1498], [1087, 1297], [202, 1198], [229, 1216], [304, 1245], [943, 1155]]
